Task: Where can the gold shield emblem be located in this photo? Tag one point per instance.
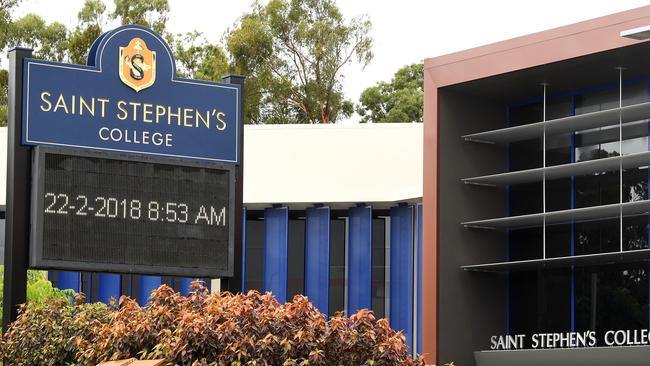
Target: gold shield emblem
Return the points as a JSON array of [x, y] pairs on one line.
[[137, 65]]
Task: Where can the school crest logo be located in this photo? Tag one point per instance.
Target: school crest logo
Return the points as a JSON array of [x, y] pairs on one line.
[[137, 65]]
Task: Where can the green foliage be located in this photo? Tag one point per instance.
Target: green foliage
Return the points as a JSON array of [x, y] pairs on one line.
[[6, 7], [198, 59], [89, 27], [4, 112], [48, 41], [46, 333], [80, 41], [292, 53], [201, 329], [149, 13], [39, 289], [92, 13], [401, 100]]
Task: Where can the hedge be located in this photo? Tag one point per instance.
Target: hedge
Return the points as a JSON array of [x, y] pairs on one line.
[[199, 330], [39, 289]]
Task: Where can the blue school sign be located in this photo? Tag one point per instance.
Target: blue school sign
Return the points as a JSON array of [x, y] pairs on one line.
[[129, 99]]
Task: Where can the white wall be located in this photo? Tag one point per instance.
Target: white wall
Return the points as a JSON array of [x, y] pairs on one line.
[[332, 164], [338, 165]]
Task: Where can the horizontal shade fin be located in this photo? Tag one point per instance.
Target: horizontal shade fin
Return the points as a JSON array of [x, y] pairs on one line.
[[562, 125], [565, 216], [563, 262], [563, 171]]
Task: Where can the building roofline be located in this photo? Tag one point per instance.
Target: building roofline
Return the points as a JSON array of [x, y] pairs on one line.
[[557, 44]]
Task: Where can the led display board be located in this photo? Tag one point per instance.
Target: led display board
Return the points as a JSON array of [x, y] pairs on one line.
[[106, 212]]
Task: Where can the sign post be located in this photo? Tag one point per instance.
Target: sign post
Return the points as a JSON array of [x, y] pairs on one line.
[[122, 166], [235, 283], [19, 161]]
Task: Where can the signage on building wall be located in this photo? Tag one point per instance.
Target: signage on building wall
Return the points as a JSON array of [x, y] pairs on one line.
[[129, 99], [635, 337]]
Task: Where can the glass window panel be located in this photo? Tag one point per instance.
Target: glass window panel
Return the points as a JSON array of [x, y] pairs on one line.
[[558, 194], [255, 255], [635, 232], [525, 154], [635, 184], [379, 267], [597, 236], [540, 302], [296, 259], [525, 244], [596, 189], [529, 113], [635, 93], [558, 240], [611, 297], [337, 266], [558, 147], [596, 101], [635, 145], [607, 296], [525, 198]]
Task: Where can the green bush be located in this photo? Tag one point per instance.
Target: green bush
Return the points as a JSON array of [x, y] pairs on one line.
[[46, 333], [199, 330], [39, 289]]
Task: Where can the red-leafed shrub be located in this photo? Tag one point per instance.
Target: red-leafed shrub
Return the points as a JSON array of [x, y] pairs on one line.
[[199, 330]]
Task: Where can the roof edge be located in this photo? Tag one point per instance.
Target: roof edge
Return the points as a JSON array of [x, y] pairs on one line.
[[542, 36]]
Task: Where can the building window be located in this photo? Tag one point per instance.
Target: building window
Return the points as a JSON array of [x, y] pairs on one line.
[[254, 255], [337, 266], [296, 258], [379, 244], [601, 297]]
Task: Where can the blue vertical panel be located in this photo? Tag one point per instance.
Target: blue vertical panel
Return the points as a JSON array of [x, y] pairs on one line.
[[185, 285], [359, 259], [243, 251], [317, 257], [109, 286], [147, 284], [419, 279], [276, 241], [401, 271], [69, 281]]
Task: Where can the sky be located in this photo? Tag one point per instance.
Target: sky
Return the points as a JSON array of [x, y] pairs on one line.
[[404, 31]]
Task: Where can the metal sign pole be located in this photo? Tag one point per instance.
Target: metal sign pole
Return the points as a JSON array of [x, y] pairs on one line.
[[19, 163], [234, 284]]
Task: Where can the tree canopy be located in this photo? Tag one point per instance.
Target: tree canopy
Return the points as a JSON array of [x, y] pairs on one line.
[[150, 13], [401, 100], [292, 52], [6, 8]]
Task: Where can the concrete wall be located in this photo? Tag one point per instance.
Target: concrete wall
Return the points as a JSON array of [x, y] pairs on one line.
[[471, 306]]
